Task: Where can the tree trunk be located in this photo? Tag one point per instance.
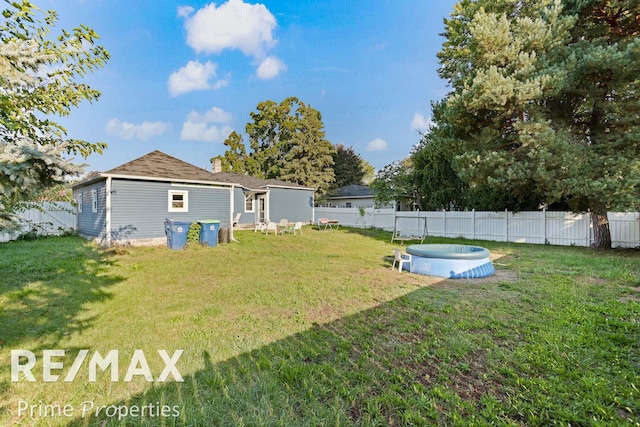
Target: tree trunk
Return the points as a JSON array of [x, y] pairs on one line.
[[601, 231]]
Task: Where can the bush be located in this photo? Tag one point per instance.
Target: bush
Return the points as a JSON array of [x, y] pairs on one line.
[[193, 236]]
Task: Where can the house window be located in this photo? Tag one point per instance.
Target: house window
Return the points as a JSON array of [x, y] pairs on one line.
[[348, 204], [178, 201], [94, 201], [248, 202], [79, 202]]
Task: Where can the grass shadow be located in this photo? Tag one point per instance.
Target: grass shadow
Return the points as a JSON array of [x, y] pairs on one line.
[[436, 356], [42, 297]]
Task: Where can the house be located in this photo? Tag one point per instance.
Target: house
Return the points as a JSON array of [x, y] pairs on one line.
[[360, 196], [129, 203]]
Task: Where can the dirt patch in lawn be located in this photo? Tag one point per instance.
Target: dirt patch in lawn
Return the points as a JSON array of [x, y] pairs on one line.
[[634, 295]]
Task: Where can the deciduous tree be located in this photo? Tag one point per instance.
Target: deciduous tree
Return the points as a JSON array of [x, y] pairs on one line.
[[393, 182], [286, 141]]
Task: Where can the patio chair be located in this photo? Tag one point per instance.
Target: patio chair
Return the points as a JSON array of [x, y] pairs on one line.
[[283, 225], [401, 258], [236, 219], [297, 227], [271, 226]]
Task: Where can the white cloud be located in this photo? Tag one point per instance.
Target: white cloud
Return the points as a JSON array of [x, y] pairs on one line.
[[377, 144], [143, 131], [212, 126], [270, 67], [185, 11], [421, 122], [233, 25], [194, 76]]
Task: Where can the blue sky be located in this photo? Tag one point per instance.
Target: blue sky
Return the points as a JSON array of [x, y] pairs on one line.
[[184, 74]]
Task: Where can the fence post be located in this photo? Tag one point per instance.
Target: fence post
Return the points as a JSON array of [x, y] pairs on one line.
[[474, 224], [506, 225], [444, 223], [544, 225]]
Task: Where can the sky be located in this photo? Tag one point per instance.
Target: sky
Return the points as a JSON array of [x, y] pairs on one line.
[[184, 74]]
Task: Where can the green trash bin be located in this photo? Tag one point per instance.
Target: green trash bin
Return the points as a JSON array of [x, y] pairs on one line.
[[209, 229]]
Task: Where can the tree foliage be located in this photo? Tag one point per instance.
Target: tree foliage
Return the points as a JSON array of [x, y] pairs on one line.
[[544, 102], [369, 172], [309, 159], [287, 142], [349, 167], [39, 75], [393, 182]]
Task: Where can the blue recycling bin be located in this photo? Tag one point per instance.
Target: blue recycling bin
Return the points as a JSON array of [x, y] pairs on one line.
[[209, 229], [176, 232]]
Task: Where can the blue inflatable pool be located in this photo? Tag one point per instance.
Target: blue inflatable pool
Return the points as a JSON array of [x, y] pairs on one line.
[[450, 261]]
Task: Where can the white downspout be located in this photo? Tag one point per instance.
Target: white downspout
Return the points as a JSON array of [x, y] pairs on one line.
[[107, 221], [231, 205], [267, 207]]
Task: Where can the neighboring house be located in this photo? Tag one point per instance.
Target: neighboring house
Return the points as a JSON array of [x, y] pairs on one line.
[[129, 203], [359, 196]]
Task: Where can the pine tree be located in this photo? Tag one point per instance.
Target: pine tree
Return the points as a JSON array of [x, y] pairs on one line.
[[544, 101], [38, 76], [309, 161], [348, 167]]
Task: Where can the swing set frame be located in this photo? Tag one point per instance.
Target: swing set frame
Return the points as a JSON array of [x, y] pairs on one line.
[[397, 232]]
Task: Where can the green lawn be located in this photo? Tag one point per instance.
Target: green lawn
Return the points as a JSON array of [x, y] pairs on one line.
[[318, 330]]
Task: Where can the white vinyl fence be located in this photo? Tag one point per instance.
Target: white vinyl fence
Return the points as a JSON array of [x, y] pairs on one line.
[[50, 218], [556, 228]]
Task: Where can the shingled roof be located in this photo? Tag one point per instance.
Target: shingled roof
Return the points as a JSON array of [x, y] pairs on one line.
[[158, 165], [351, 191], [252, 183]]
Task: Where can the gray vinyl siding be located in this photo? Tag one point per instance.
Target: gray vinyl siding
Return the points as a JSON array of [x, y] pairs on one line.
[[292, 204], [238, 206], [139, 208], [92, 224]]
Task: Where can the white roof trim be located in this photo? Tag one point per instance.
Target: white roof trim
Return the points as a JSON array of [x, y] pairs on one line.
[[349, 197], [286, 186], [265, 187], [151, 178]]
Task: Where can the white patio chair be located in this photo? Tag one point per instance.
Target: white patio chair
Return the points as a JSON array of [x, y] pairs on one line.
[[271, 226], [283, 225], [401, 258], [297, 227]]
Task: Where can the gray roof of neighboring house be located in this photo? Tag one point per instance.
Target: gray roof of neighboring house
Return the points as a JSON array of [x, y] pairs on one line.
[[160, 166], [350, 192]]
